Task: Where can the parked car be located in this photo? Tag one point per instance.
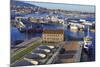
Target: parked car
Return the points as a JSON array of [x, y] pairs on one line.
[[22, 63], [35, 56]]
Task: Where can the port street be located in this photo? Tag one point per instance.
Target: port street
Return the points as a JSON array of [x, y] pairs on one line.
[[26, 43], [56, 53], [72, 53], [67, 45]]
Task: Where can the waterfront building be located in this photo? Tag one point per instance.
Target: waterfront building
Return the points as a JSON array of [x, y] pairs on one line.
[[54, 19], [61, 21], [18, 18], [74, 28], [53, 35], [32, 19]]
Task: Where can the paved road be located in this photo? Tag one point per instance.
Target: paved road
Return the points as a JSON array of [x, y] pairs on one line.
[[56, 53], [78, 53], [26, 43], [29, 43], [73, 53]]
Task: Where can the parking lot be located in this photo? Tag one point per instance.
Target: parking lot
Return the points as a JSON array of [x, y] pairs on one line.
[[65, 52], [37, 56]]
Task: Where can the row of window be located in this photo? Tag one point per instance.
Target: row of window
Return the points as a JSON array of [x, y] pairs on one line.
[[55, 39], [53, 35]]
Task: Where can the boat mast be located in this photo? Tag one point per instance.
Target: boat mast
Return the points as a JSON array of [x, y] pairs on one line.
[[88, 31]]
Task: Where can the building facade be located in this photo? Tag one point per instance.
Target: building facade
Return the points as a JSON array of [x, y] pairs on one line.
[[53, 35]]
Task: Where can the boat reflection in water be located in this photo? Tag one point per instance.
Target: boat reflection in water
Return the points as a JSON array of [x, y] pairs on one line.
[[30, 29]]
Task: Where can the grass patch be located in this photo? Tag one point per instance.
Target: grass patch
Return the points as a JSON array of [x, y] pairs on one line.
[[53, 44], [19, 55]]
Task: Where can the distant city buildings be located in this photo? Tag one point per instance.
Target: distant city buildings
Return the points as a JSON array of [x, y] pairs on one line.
[[47, 19], [32, 19], [53, 35]]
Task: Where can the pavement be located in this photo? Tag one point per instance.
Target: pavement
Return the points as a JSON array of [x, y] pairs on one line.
[[54, 56], [26, 43], [74, 53]]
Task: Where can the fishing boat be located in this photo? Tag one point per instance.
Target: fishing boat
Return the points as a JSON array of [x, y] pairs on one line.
[[87, 41]]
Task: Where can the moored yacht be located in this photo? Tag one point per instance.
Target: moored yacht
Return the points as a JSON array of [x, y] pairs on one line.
[[87, 41]]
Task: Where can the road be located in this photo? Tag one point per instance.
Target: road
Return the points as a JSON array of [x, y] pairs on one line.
[[72, 52], [26, 43], [56, 53]]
